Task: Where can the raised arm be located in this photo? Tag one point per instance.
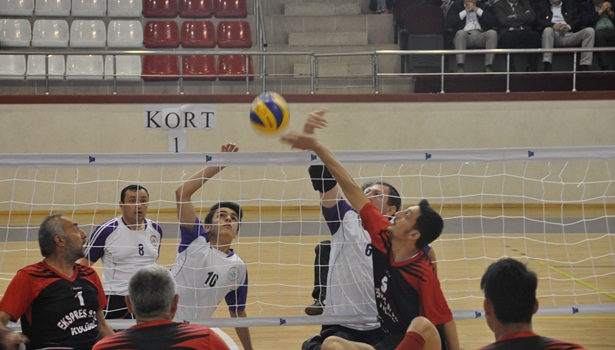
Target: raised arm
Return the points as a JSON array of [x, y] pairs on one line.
[[183, 194], [352, 191]]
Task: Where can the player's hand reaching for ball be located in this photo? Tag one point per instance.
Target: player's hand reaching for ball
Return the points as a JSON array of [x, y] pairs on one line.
[[315, 120], [229, 147]]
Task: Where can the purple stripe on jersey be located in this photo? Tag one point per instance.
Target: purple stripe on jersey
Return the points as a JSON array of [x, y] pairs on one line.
[[96, 244], [236, 299], [334, 215], [188, 236], [157, 228]]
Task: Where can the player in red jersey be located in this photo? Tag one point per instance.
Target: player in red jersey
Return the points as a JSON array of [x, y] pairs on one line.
[[60, 303], [510, 302], [406, 284], [153, 299]]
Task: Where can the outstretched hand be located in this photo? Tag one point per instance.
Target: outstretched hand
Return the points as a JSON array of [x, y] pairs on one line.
[[229, 147], [315, 120]]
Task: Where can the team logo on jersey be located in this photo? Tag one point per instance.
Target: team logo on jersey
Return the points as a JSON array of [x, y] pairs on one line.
[[233, 273], [154, 240]]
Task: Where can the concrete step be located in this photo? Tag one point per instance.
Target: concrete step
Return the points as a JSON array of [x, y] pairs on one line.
[[321, 9], [327, 39], [334, 69]]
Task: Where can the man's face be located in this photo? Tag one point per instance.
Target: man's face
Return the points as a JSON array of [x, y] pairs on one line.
[[224, 225], [404, 221], [75, 239], [134, 207], [379, 196]]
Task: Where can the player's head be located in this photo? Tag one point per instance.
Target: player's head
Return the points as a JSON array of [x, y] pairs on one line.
[[383, 196], [152, 293], [134, 201], [59, 234], [429, 224], [224, 214], [510, 290]]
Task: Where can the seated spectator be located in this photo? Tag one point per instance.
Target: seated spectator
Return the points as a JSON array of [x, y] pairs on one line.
[[515, 19], [599, 15], [153, 298], [510, 301], [472, 23], [561, 26]]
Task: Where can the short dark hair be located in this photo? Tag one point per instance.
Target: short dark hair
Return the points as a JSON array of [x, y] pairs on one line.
[[511, 288], [231, 205], [132, 188], [429, 223], [49, 229], [393, 198]]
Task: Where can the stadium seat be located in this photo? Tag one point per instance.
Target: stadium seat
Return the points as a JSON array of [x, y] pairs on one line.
[[125, 33], [161, 34], [195, 8], [199, 67], [89, 8], [12, 66], [234, 34], [36, 67], [124, 8], [126, 67], [230, 8], [15, 33], [198, 34], [16, 7], [57, 8], [422, 29], [50, 33], [88, 33], [88, 67], [233, 67], [160, 8], [160, 67]]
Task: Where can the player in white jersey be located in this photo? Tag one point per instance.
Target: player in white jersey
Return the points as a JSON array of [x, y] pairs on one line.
[[207, 270], [124, 244]]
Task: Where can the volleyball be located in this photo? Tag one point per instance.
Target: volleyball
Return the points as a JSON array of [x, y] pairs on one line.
[[269, 114]]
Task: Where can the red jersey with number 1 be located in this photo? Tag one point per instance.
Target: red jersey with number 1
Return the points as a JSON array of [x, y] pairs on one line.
[[55, 311]]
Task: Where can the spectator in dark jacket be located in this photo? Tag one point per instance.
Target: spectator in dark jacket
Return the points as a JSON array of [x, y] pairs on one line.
[[599, 15]]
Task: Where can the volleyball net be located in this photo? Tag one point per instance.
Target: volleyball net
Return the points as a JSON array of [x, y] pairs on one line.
[[553, 208]]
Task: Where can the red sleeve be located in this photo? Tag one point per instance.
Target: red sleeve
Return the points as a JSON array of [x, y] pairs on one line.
[[375, 223], [433, 302], [216, 342], [18, 296]]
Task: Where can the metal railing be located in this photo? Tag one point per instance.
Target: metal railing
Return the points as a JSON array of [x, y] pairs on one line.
[[376, 76]]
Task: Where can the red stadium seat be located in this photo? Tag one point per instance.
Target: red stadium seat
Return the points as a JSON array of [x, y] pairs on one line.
[[234, 34], [160, 8], [161, 34], [234, 67], [199, 67], [198, 34], [230, 8], [160, 67], [195, 8]]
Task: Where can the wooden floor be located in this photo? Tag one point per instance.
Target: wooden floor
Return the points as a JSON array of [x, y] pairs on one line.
[[281, 277]]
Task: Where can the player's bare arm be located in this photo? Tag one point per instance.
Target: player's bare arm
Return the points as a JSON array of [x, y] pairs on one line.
[[8, 337], [186, 212], [352, 191]]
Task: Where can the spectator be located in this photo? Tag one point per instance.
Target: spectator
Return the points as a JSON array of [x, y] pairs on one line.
[[599, 15], [59, 302], [510, 301], [124, 244], [515, 19], [561, 27], [473, 23], [153, 299]]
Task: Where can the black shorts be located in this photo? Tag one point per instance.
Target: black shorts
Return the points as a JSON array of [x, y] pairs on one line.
[[369, 337]]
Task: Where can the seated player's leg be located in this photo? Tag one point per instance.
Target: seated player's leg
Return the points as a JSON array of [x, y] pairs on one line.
[[337, 343], [421, 335]]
